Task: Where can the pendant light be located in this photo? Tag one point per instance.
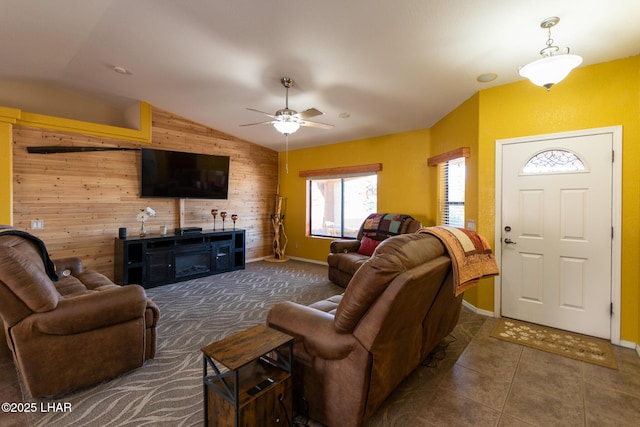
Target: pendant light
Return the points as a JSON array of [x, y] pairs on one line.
[[554, 66]]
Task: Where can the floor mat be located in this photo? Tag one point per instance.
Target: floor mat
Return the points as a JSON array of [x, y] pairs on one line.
[[568, 344]]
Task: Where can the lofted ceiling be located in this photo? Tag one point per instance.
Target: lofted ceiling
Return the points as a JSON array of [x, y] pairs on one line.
[[392, 66]]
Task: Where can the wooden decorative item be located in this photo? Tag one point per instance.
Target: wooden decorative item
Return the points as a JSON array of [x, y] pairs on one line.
[[280, 237]]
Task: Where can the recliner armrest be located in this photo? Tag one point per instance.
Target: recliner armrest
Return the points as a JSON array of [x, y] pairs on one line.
[[344, 245], [313, 327], [92, 310], [68, 266]]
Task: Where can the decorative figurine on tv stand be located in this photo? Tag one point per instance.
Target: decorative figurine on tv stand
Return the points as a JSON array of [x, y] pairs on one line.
[[214, 213], [223, 215], [234, 218]]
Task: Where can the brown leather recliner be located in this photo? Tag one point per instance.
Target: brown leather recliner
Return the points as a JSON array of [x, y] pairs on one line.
[[74, 332], [347, 255], [351, 351]]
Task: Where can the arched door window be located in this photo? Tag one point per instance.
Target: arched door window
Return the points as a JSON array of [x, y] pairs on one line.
[[554, 161]]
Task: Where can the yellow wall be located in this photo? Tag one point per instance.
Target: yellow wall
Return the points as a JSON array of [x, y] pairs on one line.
[[6, 187], [594, 96], [460, 129], [405, 184], [8, 117]]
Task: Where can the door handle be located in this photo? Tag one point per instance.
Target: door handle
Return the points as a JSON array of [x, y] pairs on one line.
[[508, 241]]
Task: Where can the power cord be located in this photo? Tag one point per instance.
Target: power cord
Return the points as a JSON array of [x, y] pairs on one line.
[[439, 352], [284, 408]]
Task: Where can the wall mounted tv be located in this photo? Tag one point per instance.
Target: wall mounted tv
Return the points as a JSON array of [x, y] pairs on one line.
[[183, 175]]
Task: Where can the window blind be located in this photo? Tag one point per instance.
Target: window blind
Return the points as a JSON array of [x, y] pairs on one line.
[[452, 189]]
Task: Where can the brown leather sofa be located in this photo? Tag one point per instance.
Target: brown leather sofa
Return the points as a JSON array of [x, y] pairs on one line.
[[347, 255], [74, 332], [352, 350]]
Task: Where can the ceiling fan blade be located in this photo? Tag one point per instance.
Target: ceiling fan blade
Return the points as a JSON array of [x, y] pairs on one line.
[[261, 112], [258, 123], [315, 124], [311, 112]]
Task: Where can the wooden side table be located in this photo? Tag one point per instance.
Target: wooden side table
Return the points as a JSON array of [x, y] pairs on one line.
[[251, 380]]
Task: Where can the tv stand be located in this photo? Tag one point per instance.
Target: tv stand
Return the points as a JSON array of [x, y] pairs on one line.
[[188, 230], [158, 260]]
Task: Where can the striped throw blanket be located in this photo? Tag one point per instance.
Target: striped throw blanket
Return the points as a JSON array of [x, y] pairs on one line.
[[471, 256]]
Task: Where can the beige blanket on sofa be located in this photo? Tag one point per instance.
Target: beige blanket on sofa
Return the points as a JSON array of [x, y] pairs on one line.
[[471, 255]]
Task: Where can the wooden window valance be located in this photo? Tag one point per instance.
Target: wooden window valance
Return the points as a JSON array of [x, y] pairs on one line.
[[344, 170], [449, 155]]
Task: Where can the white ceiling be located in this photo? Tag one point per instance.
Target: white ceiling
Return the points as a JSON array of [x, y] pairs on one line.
[[394, 66]]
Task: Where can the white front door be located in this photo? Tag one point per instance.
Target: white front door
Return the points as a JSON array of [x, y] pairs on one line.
[[556, 232]]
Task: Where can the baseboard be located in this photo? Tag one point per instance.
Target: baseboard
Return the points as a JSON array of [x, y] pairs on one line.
[[312, 261], [630, 344], [478, 310]]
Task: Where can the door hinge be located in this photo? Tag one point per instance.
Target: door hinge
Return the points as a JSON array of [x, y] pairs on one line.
[[613, 156], [612, 232], [611, 309]]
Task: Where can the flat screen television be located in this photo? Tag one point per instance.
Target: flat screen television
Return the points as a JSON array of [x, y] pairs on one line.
[[181, 175]]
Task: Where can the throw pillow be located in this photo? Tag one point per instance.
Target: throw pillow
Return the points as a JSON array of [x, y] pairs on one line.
[[367, 246]]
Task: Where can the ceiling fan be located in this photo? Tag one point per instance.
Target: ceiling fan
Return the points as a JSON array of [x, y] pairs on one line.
[[287, 121]]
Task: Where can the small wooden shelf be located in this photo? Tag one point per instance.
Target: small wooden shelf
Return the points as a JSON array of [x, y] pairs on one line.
[[240, 363]]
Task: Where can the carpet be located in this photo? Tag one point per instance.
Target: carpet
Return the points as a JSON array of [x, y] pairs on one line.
[[568, 344], [167, 390]]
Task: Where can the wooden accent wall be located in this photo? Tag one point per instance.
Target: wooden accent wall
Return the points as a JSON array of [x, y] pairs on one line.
[[85, 197]]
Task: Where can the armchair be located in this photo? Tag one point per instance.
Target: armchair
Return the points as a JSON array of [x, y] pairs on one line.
[[347, 255], [68, 328]]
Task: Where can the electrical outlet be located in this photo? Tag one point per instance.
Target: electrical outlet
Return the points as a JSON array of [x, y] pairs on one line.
[[471, 225], [37, 224]]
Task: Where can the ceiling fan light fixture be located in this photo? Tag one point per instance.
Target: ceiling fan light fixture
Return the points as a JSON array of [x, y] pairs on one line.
[[553, 67], [286, 127], [287, 121]]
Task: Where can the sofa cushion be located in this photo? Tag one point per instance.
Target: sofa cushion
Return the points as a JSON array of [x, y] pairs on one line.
[[27, 280], [328, 305], [69, 285], [348, 262], [367, 246], [365, 286], [393, 256]]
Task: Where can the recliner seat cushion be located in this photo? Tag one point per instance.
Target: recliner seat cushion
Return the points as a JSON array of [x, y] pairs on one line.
[[348, 262]]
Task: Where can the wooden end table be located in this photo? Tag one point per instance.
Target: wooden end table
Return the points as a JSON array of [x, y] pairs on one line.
[[251, 380]]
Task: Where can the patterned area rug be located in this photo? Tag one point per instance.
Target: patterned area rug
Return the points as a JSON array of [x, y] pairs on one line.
[[167, 391], [575, 346]]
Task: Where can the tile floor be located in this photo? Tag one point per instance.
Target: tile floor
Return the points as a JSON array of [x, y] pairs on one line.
[[482, 381], [497, 383]]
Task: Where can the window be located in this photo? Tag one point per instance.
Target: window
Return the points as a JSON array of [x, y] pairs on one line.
[[338, 205], [452, 175], [553, 161]]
